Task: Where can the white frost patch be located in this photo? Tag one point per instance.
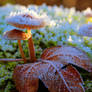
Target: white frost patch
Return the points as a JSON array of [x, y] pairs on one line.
[[28, 17]]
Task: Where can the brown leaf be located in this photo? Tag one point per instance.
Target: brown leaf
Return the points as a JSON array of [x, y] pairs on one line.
[[68, 54], [23, 83], [51, 73], [73, 79]]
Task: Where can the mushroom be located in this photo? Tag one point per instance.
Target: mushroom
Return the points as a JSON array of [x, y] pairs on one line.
[[88, 15], [89, 18], [27, 21], [86, 30], [19, 35]]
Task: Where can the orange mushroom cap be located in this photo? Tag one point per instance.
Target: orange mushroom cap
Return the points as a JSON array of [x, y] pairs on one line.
[[16, 34]]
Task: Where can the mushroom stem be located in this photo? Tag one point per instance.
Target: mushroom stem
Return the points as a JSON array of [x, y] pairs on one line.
[[21, 51], [31, 48]]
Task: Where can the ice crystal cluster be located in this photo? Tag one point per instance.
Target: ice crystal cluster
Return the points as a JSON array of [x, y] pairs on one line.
[[63, 29], [26, 17]]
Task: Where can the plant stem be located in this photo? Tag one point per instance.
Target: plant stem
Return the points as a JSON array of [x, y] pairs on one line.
[[21, 51], [11, 60], [31, 48]]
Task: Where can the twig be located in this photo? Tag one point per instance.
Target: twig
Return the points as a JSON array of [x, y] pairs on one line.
[[12, 60]]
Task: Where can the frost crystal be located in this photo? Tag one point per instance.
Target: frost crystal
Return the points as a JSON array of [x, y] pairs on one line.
[[27, 18], [66, 55]]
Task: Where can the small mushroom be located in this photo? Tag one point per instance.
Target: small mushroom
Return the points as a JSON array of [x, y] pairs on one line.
[[86, 30], [27, 21], [89, 18], [88, 15], [17, 35]]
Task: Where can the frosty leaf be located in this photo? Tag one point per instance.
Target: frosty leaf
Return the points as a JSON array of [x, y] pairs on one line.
[[52, 75], [73, 79], [23, 84], [68, 54]]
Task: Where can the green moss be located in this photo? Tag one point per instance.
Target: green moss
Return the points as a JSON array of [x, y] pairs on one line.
[[88, 86]]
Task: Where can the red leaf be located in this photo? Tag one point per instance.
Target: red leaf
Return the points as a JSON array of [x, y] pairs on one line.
[[68, 54]]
